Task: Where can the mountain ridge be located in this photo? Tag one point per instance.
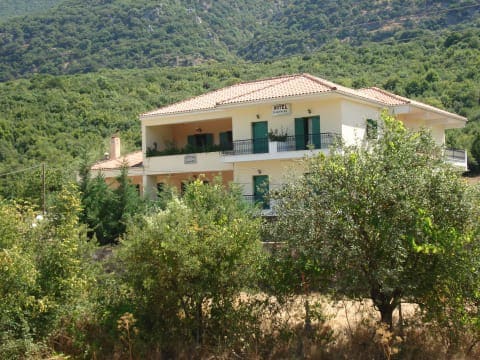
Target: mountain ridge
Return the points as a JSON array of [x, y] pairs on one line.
[[84, 37]]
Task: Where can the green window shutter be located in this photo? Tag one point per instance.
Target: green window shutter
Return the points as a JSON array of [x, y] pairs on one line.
[[191, 141], [372, 129], [223, 138], [209, 140], [260, 137], [316, 139], [261, 188], [300, 134]]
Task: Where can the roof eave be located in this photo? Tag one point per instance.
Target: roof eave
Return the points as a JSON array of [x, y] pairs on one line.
[[439, 111], [177, 113]]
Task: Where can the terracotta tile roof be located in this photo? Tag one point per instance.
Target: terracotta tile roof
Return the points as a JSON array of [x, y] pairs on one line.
[[132, 160], [391, 99], [212, 99], [383, 96], [278, 88]]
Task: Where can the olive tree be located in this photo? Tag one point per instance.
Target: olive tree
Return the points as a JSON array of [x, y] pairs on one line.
[[385, 219]]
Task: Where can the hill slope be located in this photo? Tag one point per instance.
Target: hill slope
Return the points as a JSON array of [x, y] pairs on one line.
[[85, 36], [12, 8], [88, 35], [304, 25]]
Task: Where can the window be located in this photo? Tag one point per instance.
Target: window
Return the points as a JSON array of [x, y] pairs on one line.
[[160, 187], [200, 141], [372, 129], [226, 140]]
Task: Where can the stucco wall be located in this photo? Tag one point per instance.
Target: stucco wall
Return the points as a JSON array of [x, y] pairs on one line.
[[208, 161], [353, 118], [278, 171], [176, 180], [327, 109]]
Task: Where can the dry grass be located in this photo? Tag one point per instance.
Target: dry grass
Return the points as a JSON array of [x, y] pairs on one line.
[[351, 330]]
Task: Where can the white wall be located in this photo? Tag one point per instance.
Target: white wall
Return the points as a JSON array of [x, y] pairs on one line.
[[328, 109], [354, 117], [278, 171]]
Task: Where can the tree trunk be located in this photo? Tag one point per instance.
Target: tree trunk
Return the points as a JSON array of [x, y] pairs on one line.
[[199, 330], [386, 315], [386, 304], [308, 320]]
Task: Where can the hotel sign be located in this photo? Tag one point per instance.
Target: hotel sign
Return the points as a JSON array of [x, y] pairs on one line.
[[281, 109]]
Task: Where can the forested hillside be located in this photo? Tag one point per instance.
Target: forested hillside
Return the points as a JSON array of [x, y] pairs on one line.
[[12, 8], [85, 36], [301, 26], [57, 118]]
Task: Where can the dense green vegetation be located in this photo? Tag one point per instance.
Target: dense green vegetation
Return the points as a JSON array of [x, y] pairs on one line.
[[85, 36], [89, 35], [12, 8], [302, 26], [189, 278]]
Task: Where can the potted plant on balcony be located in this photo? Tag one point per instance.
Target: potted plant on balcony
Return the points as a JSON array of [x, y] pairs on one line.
[[277, 140]]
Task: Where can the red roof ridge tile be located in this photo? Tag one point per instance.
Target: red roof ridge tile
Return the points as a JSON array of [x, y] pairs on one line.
[[285, 78], [321, 81]]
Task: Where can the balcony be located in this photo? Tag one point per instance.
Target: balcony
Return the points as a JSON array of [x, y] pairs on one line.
[[457, 157], [185, 162], [288, 147], [173, 150]]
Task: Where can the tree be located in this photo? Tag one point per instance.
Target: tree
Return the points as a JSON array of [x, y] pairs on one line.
[[187, 264], [106, 211], [46, 274], [387, 219], [476, 153]]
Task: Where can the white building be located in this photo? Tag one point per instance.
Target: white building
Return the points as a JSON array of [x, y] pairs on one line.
[[253, 133]]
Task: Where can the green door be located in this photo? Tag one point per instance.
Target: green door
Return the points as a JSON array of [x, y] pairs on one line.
[[307, 132], [261, 187], [315, 131], [300, 134], [260, 137]]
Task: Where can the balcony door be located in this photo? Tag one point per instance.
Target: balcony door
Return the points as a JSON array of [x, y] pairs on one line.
[[260, 137], [261, 187], [307, 132]]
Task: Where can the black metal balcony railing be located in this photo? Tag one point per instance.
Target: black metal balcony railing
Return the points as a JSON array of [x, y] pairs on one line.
[[260, 200], [455, 154], [188, 149], [250, 146], [307, 142], [290, 143]]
